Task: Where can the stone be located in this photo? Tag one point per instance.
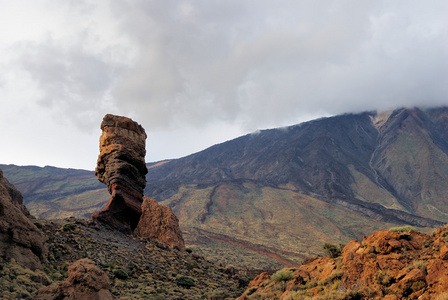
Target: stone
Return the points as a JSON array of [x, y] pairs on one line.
[[20, 239], [85, 281], [121, 166], [158, 222]]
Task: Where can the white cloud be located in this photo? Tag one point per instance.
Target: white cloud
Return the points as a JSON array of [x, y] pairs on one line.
[[186, 69]]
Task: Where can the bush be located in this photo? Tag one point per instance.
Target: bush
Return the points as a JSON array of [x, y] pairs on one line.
[[38, 224], [185, 281], [218, 295], [121, 273], [188, 250], [332, 250], [402, 229], [69, 226], [418, 265], [418, 285], [283, 276], [383, 278]]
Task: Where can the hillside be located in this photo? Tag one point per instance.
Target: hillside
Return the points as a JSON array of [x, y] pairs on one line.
[[51, 192], [273, 197]]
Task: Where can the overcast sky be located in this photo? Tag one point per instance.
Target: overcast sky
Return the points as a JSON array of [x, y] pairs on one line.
[[197, 73]]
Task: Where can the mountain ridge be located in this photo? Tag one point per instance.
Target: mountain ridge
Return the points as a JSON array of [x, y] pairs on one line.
[[292, 189]]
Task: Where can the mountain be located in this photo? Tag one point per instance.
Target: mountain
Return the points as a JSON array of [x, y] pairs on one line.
[[275, 196], [282, 193]]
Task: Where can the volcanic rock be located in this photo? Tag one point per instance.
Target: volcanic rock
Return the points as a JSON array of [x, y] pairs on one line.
[[158, 222], [85, 281], [121, 166], [385, 265], [20, 239]]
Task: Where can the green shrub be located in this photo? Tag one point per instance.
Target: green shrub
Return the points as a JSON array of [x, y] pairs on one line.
[[185, 281], [383, 278], [69, 226], [333, 251], [402, 229], [121, 273], [283, 276], [418, 265], [418, 285], [188, 250], [38, 224]]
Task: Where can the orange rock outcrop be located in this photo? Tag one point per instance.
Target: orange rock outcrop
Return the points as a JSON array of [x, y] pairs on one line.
[[85, 281], [158, 222], [386, 265], [121, 166]]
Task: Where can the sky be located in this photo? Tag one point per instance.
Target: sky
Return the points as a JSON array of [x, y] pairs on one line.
[[198, 73]]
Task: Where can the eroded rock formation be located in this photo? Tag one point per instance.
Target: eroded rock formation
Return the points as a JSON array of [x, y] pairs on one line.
[[121, 166], [20, 239], [158, 222], [85, 281]]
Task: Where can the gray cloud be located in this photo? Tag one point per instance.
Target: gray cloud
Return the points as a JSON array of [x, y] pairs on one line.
[[261, 63], [217, 68]]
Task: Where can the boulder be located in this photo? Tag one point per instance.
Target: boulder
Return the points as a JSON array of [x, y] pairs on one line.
[[85, 281], [158, 222], [121, 166], [20, 239]]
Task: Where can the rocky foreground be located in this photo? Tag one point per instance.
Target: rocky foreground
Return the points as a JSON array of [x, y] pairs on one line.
[[387, 265]]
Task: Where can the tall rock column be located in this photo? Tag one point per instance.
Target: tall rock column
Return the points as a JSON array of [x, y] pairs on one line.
[[121, 166]]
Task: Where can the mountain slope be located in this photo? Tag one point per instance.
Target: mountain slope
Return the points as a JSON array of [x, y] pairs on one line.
[[51, 192], [295, 188], [275, 196]]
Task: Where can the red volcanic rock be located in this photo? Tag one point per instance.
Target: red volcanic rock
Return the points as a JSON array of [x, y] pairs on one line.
[[386, 265], [158, 222], [121, 166], [20, 239], [85, 281]]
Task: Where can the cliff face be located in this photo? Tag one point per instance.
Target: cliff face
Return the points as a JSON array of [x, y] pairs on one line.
[[20, 239], [121, 166]]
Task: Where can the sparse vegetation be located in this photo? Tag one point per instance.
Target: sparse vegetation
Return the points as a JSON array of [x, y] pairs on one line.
[[333, 251], [121, 273], [402, 229], [283, 275], [383, 278], [69, 226], [418, 265], [417, 286], [185, 281]]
